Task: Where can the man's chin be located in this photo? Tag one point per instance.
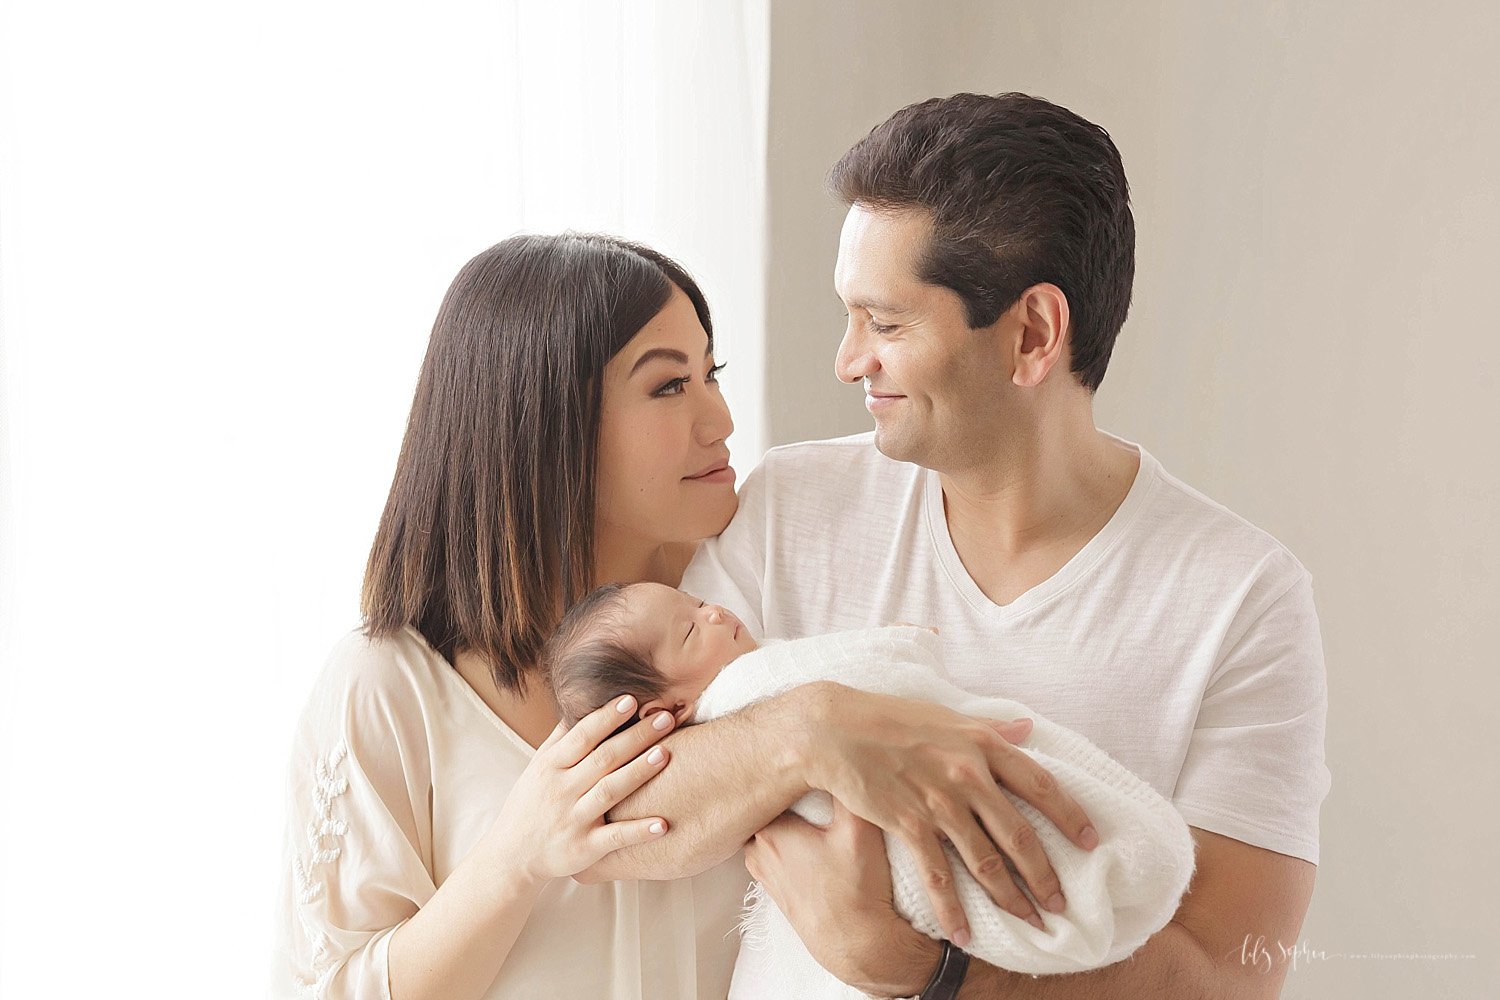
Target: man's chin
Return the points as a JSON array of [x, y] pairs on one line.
[[894, 445]]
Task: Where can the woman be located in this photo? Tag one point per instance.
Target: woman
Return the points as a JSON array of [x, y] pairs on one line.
[[567, 431]]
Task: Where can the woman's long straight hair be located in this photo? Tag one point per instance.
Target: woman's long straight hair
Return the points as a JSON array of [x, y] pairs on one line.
[[488, 533]]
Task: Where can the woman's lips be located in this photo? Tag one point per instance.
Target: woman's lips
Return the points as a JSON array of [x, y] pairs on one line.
[[721, 473]]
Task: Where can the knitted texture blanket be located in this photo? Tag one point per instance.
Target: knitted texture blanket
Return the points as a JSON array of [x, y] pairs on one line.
[[1118, 894]]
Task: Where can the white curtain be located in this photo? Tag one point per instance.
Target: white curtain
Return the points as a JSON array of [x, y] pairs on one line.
[[224, 232]]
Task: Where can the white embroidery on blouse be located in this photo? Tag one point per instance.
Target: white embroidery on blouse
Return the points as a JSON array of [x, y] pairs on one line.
[[325, 787], [320, 829]]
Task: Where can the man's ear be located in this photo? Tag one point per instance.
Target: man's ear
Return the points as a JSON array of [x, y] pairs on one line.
[[1043, 313]]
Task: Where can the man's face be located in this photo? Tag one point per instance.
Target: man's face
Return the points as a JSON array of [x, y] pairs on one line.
[[934, 386]]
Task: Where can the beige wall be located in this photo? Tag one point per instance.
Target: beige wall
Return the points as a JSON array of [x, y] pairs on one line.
[[1311, 343]]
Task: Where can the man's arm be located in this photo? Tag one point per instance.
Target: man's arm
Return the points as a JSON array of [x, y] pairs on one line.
[[728, 778], [1229, 939], [1226, 940], [923, 772]]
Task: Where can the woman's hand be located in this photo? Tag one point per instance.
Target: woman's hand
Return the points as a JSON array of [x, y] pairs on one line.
[[553, 821], [928, 774]]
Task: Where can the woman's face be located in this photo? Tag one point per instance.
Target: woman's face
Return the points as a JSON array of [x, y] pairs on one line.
[[663, 471]]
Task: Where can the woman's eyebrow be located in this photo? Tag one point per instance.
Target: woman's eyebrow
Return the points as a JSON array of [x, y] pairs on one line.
[[664, 353]]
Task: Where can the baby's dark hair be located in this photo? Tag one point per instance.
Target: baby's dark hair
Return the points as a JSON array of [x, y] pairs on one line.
[[590, 658]]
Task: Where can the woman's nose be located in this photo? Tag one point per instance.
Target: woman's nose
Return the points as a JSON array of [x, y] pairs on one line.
[[714, 422]]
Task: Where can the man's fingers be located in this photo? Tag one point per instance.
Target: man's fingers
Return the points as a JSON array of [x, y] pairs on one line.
[[1014, 731], [937, 878], [1026, 779], [591, 730], [615, 787], [855, 829], [987, 865]]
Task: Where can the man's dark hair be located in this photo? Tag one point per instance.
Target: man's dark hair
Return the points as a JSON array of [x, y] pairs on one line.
[[1020, 191], [488, 532], [590, 659]]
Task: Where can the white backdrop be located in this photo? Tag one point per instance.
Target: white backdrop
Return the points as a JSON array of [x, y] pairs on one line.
[[224, 232]]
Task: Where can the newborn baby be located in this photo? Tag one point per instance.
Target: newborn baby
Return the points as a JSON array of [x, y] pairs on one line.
[[643, 639], [675, 652]]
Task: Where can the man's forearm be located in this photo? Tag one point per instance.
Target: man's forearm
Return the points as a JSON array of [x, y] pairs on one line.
[[1171, 965], [726, 780]]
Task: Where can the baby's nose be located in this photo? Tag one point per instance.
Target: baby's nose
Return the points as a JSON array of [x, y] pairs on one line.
[[715, 616]]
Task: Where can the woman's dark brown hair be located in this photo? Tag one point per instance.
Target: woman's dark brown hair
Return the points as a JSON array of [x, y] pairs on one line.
[[488, 532]]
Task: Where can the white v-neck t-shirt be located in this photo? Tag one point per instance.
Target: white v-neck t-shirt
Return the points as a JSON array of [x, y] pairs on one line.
[[1181, 639], [398, 768]]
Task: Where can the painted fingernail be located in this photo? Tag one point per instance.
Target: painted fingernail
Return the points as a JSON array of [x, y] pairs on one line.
[[1056, 904], [657, 828], [1089, 838], [961, 938], [655, 756], [661, 720], [1036, 922], [625, 704]]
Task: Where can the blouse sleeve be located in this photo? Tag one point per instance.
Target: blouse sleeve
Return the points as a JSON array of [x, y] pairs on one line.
[[358, 843]]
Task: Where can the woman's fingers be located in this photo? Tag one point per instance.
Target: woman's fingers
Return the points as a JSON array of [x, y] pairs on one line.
[[591, 730], [611, 837], [987, 865], [619, 750], [937, 878], [552, 737], [612, 789]]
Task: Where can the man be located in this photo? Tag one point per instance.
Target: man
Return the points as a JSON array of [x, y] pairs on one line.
[[986, 262]]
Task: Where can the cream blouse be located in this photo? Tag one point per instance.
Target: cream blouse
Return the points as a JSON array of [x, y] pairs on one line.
[[397, 769]]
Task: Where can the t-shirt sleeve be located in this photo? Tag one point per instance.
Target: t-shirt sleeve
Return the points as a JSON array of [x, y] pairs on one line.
[[729, 570], [1255, 768], [357, 850]]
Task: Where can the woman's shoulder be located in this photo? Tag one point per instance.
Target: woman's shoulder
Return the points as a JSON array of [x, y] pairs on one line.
[[380, 681]]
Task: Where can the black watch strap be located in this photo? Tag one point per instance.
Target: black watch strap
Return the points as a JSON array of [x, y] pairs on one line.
[[949, 975]]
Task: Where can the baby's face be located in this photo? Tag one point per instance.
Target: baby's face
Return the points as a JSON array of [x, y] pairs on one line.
[[688, 640]]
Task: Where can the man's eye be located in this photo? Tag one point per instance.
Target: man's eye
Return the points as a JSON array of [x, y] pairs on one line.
[[877, 328]]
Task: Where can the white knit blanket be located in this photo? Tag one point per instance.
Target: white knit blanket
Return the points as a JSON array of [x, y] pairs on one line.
[[1119, 894]]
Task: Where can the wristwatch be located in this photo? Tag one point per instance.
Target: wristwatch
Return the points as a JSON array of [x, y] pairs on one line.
[[952, 966]]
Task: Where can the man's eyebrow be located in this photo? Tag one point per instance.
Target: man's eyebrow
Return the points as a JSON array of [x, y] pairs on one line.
[[666, 353], [874, 305]]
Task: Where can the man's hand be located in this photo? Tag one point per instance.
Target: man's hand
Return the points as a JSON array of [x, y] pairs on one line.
[[1228, 939], [834, 887], [928, 774]]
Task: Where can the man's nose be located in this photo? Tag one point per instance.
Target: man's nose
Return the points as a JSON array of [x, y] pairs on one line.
[[854, 360]]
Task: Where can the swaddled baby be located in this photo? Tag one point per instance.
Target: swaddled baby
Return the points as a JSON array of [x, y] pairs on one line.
[[675, 652]]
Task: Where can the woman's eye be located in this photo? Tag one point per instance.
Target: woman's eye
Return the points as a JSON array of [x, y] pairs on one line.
[[672, 388], [713, 373]]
